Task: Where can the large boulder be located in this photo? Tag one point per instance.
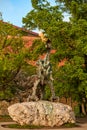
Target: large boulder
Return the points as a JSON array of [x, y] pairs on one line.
[[42, 113]]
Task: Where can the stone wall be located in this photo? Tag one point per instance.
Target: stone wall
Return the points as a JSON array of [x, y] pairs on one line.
[[3, 107]]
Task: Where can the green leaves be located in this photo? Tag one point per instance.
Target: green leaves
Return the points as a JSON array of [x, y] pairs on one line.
[[43, 16], [68, 38], [12, 56]]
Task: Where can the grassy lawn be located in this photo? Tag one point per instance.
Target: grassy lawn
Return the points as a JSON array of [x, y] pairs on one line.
[[5, 118], [68, 125], [23, 127]]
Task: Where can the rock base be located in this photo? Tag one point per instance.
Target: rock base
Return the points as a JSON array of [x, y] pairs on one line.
[[42, 113]]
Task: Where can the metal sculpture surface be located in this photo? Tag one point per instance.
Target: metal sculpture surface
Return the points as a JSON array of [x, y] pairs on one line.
[[44, 76]]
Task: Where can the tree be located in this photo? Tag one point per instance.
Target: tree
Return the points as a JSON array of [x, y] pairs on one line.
[[76, 63], [77, 8], [69, 39], [1, 16], [43, 16], [12, 54]]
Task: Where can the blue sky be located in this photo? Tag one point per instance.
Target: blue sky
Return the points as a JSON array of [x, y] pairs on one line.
[[14, 10]]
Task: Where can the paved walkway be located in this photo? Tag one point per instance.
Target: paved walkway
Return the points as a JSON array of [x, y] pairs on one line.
[[80, 127]]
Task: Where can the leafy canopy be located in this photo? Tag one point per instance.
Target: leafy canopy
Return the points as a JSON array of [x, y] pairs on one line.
[[12, 55], [68, 38]]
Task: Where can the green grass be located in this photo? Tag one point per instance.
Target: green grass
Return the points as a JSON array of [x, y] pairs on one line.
[[69, 125], [23, 127], [5, 118]]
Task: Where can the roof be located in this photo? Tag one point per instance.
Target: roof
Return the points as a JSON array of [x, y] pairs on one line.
[[28, 31], [23, 29]]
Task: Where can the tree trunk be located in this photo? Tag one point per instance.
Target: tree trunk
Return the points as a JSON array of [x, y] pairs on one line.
[[83, 108]]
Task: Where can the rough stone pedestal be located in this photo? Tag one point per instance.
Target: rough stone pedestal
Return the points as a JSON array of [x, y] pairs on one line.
[[42, 113]]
